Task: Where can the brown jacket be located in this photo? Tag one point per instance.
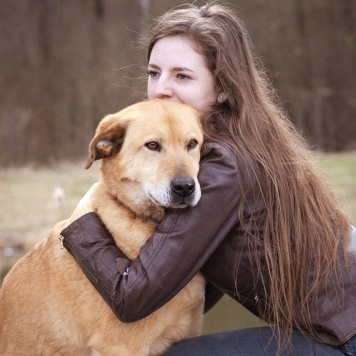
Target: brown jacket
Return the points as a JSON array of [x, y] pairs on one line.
[[205, 238]]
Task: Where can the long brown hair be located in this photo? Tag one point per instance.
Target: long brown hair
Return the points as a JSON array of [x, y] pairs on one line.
[[303, 227]]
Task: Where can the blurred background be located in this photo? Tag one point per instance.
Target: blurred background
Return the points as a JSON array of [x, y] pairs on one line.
[[67, 63]]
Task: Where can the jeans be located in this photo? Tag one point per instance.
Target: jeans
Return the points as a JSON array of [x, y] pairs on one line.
[[256, 342], [349, 347]]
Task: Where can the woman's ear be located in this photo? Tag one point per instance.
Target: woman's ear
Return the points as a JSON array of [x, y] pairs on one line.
[[221, 98]]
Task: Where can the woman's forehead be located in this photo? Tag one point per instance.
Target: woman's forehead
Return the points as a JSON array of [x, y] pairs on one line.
[[176, 48]]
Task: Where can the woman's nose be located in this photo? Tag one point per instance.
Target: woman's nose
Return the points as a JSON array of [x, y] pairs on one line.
[[163, 90]]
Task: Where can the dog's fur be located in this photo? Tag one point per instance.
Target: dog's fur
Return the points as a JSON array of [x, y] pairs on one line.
[[47, 305]]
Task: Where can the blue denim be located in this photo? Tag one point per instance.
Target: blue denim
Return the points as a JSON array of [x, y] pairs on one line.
[[256, 342], [349, 347]]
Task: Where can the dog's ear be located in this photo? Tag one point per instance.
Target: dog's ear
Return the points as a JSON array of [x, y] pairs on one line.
[[108, 139]]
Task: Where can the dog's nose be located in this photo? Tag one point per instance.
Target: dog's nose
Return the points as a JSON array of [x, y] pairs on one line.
[[183, 186]]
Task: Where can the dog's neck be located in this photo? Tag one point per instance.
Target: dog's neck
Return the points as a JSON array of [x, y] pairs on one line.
[[155, 216], [132, 204]]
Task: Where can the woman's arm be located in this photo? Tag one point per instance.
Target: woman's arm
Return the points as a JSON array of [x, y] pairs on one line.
[[180, 246]]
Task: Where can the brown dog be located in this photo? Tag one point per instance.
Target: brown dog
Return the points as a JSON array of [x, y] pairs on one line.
[[150, 154]]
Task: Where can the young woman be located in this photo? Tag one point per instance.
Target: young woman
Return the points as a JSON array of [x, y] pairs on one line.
[[268, 231]]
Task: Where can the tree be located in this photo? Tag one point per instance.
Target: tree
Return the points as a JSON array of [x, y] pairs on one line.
[[67, 63]]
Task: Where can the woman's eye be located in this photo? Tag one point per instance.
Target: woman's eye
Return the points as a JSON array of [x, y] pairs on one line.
[[153, 146], [183, 76], [192, 144], [152, 74]]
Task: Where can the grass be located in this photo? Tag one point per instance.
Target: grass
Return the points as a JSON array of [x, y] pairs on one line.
[[341, 170], [28, 211], [28, 207]]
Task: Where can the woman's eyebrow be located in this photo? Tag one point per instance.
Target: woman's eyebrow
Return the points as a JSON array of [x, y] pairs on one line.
[[154, 66], [175, 69], [182, 69]]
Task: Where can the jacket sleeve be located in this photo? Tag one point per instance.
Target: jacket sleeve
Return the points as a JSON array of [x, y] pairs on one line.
[[180, 246]]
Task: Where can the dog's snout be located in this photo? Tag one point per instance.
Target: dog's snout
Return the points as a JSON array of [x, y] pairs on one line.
[[183, 186]]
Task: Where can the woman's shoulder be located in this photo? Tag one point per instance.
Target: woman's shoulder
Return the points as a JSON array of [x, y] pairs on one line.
[[219, 157], [215, 148]]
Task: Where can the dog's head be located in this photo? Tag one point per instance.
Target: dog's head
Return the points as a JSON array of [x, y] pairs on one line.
[[150, 153]]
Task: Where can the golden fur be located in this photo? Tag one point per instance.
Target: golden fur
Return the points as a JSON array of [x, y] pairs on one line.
[[47, 305]]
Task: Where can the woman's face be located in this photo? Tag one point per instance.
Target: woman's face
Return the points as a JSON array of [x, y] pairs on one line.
[[176, 71]]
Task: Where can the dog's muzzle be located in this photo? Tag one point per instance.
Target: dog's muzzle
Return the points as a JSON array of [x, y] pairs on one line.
[[180, 192]]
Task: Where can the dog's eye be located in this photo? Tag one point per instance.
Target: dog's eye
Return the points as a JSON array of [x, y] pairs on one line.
[[154, 146], [192, 144]]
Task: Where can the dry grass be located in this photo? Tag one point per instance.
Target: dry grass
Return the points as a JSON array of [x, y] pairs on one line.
[[340, 168], [28, 206]]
